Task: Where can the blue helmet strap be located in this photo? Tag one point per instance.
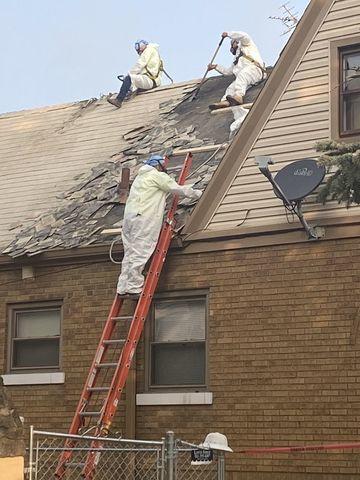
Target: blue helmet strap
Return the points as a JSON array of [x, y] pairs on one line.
[[163, 169], [139, 43]]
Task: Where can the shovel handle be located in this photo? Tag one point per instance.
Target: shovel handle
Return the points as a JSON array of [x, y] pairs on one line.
[[207, 70], [217, 50]]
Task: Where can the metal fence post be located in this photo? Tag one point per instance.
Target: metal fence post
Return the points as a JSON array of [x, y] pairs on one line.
[[221, 466], [170, 443], [162, 471], [31, 446]]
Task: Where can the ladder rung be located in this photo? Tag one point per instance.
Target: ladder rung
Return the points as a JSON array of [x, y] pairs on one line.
[[98, 389], [90, 414], [114, 342], [106, 365], [122, 318], [75, 465]]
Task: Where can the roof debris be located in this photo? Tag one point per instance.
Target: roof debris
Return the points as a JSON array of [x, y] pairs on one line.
[[93, 203]]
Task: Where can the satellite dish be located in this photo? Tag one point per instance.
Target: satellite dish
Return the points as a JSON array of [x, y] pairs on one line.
[[299, 179]]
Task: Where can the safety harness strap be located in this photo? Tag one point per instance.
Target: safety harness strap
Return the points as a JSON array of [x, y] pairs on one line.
[[161, 69], [257, 64], [154, 77]]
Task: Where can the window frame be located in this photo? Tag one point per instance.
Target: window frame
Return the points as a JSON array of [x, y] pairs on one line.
[[149, 332], [338, 49], [13, 309]]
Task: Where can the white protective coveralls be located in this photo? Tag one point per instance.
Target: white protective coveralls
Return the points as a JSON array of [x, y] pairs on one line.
[[246, 72], [239, 116], [146, 69], [143, 218]]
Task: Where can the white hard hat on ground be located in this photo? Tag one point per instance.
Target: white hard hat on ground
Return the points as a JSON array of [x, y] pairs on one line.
[[216, 441]]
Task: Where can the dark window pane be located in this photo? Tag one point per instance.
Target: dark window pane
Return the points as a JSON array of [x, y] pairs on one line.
[[351, 72], [36, 353], [178, 364], [179, 320], [351, 108]]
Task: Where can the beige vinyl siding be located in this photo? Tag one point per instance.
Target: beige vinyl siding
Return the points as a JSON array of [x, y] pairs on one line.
[[42, 150], [300, 118]]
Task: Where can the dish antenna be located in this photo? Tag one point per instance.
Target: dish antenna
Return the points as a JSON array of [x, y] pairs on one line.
[[293, 183]]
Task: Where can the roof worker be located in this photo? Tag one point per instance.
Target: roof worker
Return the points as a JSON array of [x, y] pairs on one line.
[[248, 68], [145, 74], [143, 218]]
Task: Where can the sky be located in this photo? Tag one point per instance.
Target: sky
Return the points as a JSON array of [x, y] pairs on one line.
[[59, 51]]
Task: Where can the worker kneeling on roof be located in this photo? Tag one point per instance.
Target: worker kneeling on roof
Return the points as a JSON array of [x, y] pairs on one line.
[[145, 74], [248, 68], [143, 218]]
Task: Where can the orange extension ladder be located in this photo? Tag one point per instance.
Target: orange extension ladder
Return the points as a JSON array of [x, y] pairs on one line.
[[104, 415]]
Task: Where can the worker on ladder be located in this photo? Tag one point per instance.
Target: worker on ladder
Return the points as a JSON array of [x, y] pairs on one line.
[[145, 74], [248, 68], [143, 218]]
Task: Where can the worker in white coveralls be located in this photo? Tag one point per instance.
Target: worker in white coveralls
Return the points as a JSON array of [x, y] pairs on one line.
[[143, 218], [144, 75], [248, 68]]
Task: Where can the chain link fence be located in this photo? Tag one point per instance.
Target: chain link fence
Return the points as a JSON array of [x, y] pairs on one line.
[[120, 459], [197, 470]]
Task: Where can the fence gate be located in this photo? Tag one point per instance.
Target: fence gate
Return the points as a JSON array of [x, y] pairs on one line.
[[121, 459]]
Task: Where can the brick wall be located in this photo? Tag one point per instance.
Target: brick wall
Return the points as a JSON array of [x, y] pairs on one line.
[[86, 292], [283, 352]]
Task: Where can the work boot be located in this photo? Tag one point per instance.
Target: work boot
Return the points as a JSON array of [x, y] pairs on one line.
[[130, 296], [235, 100], [114, 101], [218, 105]]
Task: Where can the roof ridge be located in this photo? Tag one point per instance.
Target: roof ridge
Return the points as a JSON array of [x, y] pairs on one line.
[[61, 106]]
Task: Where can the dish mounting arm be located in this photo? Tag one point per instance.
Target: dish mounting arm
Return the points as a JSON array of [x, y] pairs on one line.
[[263, 163]]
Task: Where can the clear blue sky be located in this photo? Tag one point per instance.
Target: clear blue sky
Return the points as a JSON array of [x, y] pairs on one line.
[[56, 51]]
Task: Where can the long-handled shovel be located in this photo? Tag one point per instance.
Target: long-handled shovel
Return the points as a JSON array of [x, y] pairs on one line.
[[196, 91]]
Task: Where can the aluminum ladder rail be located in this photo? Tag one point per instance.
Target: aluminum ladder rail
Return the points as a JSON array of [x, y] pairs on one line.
[[106, 415]]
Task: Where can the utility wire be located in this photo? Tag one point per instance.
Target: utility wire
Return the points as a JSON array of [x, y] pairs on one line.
[[207, 160], [74, 267]]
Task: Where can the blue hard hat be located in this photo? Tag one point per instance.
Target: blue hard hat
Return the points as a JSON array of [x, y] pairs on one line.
[[140, 42], [155, 160]]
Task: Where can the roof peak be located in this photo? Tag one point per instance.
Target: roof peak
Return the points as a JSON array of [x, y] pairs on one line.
[[85, 102]]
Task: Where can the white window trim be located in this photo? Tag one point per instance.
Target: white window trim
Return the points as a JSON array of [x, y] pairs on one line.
[[31, 306], [168, 296], [34, 378], [175, 398]]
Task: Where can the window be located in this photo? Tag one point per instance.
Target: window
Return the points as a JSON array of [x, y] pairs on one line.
[[34, 337], [178, 343], [345, 89], [350, 90]]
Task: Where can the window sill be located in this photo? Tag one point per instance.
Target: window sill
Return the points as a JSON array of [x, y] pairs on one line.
[[34, 378], [175, 398]]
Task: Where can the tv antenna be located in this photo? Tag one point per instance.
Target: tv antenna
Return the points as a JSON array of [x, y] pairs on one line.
[[288, 17], [292, 184]]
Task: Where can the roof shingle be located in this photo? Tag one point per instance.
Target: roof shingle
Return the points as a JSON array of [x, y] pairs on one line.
[[89, 202]]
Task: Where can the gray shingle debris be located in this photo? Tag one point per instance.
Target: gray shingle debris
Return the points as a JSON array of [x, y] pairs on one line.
[[93, 203]]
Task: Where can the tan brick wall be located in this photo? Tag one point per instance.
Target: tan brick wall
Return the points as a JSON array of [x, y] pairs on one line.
[[283, 364], [86, 293]]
